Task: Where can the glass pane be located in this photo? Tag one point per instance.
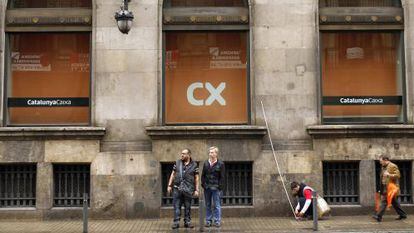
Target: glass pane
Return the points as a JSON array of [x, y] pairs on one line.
[[49, 81], [359, 3], [49, 3], [206, 77], [204, 3], [362, 76]]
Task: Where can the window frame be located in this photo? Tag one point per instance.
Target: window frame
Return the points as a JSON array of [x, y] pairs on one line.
[[11, 28], [207, 27], [31, 169], [248, 97], [362, 19], [358, 184], [372, 120], [87, 172]]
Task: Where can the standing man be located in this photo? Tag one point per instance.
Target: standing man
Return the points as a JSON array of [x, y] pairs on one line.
[[184, 184], [389, 174], [304, 209], [212, 181]]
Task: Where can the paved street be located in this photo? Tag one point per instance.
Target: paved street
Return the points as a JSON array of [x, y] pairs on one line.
[[334, 224]]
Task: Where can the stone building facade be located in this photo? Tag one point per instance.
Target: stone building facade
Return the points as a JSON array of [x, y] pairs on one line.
[[108, 118]]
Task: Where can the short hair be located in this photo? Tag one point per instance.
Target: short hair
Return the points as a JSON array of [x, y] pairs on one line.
[[384, 157], [215, 148], [294, 184], [188, 150]]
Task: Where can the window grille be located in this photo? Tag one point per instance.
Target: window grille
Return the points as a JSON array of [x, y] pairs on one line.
[[341, 182], [405, 180], [238, 184], [360, 3], [17, 185], [70, 184]]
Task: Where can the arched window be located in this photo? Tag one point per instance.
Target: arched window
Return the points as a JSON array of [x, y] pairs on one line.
[[48, 62], [206, 62], [362, 65]]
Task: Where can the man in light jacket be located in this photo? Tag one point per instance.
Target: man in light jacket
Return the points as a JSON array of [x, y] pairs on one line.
[[389, 173]]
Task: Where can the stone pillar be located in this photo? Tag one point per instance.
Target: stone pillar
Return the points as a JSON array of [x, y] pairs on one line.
[[44, 187], [367, 182]]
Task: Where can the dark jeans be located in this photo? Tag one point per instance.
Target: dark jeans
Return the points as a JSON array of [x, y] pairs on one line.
[[395, 203], [210, 197], [178, 200], [309, 211]]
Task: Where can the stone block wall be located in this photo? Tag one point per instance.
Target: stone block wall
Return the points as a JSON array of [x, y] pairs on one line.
[[126, 98]]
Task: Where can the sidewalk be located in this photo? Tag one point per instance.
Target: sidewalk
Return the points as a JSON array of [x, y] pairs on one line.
[[334, 224]]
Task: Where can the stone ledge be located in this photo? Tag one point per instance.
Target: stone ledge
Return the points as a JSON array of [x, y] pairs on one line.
[[355, 131], [206, 132], [115, 146], [21, 133]]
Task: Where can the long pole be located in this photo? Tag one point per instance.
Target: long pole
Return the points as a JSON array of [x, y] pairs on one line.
[[85, 213], [277, 163], [315, 211]]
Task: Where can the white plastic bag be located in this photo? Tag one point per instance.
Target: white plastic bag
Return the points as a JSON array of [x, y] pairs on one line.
[[323, 207]]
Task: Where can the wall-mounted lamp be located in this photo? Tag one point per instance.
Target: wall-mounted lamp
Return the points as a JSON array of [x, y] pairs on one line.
[[124, 17]]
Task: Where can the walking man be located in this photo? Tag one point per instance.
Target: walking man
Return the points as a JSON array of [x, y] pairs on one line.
[[183, 183], [389, 177], [304, 208], [212, 181]]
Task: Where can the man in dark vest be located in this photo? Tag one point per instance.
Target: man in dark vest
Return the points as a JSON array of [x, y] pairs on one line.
[[304, 208], [212, 181], [183, 183]]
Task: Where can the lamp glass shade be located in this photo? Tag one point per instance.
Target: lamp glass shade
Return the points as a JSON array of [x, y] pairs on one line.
[[124, 25]]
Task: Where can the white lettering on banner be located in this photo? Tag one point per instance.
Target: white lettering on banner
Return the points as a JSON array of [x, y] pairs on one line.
[[361, 101], [190, 94], [215, 94], [31, 102], [28, 62], [225, 59]]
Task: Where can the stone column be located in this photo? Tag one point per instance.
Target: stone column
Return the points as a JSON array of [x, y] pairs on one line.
[[44, 187], [367, 182]]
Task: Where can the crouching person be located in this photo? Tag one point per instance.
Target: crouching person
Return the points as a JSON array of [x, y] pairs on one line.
[[304, 208], [183, 183]]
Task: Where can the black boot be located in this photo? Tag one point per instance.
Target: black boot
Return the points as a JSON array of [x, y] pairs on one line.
[[378, 218]]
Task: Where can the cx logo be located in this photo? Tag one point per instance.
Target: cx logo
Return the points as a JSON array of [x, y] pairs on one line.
[[215, 94]]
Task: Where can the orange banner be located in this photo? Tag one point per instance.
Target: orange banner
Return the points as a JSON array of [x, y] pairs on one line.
[[49, 65], [206, 78]]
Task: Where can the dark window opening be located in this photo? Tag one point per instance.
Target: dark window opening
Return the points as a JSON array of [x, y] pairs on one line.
[[71, 182], [239, 184], [341, 182], [405, 196], [17, 185]]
